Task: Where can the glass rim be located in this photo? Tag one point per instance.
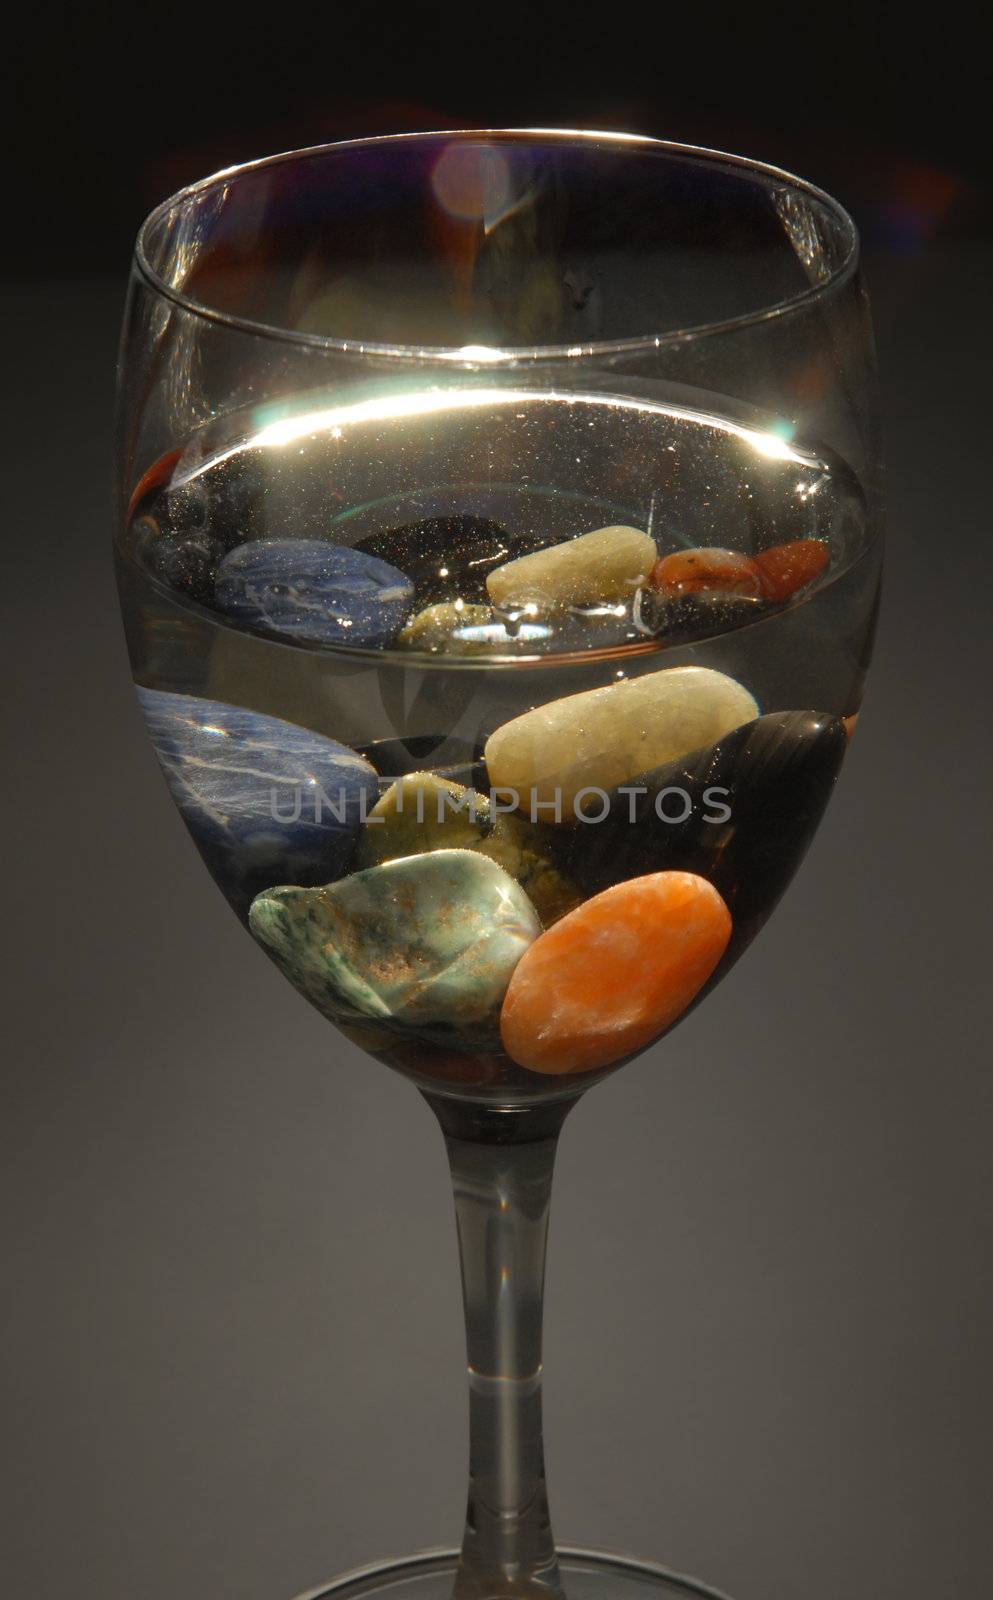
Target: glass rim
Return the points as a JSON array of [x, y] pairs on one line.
[[477, 356]]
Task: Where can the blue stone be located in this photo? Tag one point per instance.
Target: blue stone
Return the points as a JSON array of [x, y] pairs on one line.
[[306, 589], [267, 802]]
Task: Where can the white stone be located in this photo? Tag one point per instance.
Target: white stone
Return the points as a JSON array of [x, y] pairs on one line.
[[605, 737], [608, 564]]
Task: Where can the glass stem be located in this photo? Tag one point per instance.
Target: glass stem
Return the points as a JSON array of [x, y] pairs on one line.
[[502, 1180]]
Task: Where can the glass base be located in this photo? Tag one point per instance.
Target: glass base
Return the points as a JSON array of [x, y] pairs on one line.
[[586, 1575]]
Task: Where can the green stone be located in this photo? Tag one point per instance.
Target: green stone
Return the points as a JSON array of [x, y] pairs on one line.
[[422, 812], [425, 943]]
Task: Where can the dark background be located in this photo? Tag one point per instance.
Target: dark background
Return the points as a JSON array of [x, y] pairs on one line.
[[229, 1327]]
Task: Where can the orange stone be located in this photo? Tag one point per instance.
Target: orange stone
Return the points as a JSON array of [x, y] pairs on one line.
[[707, 571], [785, 568], [613, 974]]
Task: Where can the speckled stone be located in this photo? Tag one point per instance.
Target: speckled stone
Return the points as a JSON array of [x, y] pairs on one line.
[[740, 812], [259, 795], [451, 627], [602, 737], [307, 590], [607, 564], [422, 812], [427, 943], [448, 558]]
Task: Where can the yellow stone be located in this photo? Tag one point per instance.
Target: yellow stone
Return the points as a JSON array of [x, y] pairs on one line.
[[450, 627], [422, 812]]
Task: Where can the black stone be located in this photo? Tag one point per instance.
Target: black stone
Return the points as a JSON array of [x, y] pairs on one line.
[[189, 565], [218, 509], [775, 777], [448, 558], [232, 502], [678, 619], [184, 562]]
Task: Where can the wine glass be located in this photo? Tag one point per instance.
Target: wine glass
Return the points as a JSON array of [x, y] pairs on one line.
[[498, 543]]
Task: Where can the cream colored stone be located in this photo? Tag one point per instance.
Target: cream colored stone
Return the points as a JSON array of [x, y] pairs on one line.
[[607, 564], [604, 737]]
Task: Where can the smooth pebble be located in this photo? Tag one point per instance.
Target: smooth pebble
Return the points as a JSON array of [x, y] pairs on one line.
[[787, 568], [707, 570], [607, 564], [601, 737], [307, 590], [614, 974], [263, 798]]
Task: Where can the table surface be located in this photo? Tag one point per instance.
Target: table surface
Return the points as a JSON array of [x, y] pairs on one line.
[[231, 1342]]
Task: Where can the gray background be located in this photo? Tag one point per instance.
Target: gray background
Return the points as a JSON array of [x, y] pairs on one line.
[[231, 1341]]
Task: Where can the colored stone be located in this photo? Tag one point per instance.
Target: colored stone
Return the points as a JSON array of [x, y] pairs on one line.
[[321, 593], [707, 571], [787, 568], [614, 974], [454, 628], [448, 558], [422, 812], [263, 799], [451, 627], [740, 813], [426, 943], [601, 737], [607, 564]]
